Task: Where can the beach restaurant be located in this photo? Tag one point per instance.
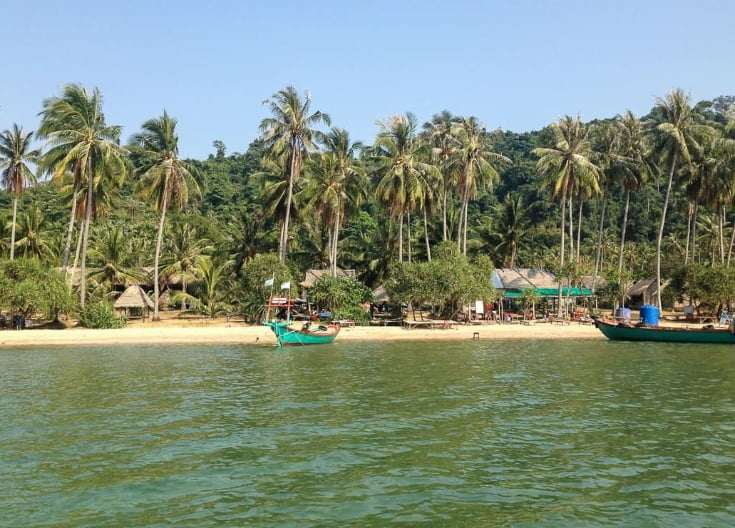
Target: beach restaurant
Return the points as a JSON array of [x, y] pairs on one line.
[[513, 282]]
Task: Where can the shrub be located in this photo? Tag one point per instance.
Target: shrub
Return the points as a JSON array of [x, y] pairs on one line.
[[100, 315]]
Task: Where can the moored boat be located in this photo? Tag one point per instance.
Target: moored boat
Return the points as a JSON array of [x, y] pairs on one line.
[[667, 334], [290, 333]]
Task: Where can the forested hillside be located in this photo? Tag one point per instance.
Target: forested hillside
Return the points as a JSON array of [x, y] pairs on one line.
[[577, 198]]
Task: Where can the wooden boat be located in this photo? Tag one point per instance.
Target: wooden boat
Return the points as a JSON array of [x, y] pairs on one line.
[[668, 334], [290, 333]]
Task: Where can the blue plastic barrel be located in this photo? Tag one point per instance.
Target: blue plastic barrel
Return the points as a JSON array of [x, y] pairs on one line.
[[622, 314], [649, 314]]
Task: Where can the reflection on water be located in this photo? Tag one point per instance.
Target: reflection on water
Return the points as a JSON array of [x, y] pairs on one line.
[[472, 434]]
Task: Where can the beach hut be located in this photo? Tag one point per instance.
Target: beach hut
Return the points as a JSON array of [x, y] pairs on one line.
[[134, 298]]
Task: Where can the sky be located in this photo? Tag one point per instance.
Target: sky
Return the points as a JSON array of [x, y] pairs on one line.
[[516, 65]]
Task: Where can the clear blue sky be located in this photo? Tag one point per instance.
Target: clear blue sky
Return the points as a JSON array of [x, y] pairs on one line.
[[514, 64]]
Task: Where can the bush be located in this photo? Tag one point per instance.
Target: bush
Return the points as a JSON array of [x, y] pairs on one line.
[[100, 315]]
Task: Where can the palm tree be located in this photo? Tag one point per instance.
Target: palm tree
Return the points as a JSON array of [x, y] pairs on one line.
[[443, 146], [677, 132], [166, 179], [630, 167], [185, 248], [336, 182], [476, 169], [565, 164], [32, 234], [81, 142], [513, 226], [289, 133], [111, 258], [399, 157], [15, 153]]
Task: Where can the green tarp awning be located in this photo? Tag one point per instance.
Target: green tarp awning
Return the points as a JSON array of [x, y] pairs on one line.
[[551, 292]]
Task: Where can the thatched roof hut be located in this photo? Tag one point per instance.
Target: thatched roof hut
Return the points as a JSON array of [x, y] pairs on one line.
[[313, 275], [133, 297]]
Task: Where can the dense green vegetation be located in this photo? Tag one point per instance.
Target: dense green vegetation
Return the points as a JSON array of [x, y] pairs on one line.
[[606, 198]]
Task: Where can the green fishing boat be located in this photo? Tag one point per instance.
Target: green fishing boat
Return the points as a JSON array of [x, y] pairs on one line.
[[290, 333], [667, 334]]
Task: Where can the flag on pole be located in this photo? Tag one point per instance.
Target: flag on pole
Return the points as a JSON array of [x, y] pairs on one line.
[[269, 282], [286, 285]]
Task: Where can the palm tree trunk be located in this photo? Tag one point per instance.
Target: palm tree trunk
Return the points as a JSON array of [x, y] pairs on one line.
[[85, 234], [289, 197], [444, 216], [76, 258], [335, 242], [69, 233], [159, 242], [695, 216], [466, 226], [598, 255], [561, 254], [408, 228], [661, 230], [579, 226], [732, 243], [400, 237], [622, 234], [12, 232], [426, 235], [722, 235], [571, 228], [689, 233]]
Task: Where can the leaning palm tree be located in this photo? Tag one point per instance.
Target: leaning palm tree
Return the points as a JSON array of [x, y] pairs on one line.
[[564, 165], [166, 179], [476, 166], [677, 132], [289, 133], [15, 154], [82, 142]]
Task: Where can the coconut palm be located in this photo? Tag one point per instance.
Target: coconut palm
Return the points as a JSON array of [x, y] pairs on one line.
[[443, 145], [476, 168], [184, 248], [677, 132], [167, 180], [398, 157], [111, 258], [82, 142], [565, 164], [289, 133], [15, 154], [33, 240]]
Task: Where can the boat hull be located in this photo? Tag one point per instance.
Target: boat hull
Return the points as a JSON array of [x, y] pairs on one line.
[[664, 334], [288, 335]]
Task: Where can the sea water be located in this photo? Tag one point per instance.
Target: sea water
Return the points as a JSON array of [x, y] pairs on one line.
[[471, 433]]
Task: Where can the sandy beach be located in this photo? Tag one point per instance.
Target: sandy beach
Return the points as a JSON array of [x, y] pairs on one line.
[[224, 332]]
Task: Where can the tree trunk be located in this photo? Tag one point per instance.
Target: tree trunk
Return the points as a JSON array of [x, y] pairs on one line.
[[159, 242], [622, 234], [571, 228], [561, 253], [12, 231], [722, 235], [579, 227], [289, 196], [689, 233], [444, 216], [426, 236], [85, 233], [598, 254], [732, 242], [76, 257], [695, 216], [661, 230], [400, 237], [69, 234]]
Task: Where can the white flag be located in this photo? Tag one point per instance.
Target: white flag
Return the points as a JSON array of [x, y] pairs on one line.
[[269, 282], [286, 285]]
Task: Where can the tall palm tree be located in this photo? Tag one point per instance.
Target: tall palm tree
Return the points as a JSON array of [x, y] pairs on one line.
[[563, 165], [630, 167], [677, 132], [398, 158], [185, 248], [443, 146], [111, 258], [513, 225], [336, 183], [82, 142], [476, 167], [166, 179], [289, 133], [15, 154]]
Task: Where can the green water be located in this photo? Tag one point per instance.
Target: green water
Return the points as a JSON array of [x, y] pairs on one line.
[[424, 434]]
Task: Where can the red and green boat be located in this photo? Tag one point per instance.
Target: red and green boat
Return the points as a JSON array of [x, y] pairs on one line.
[[666, 334], [290, 333]]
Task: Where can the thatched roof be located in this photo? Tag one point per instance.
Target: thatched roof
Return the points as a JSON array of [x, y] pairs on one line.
[[380, 295], [133, 297], [313, 275], [644, 287], [516, 278]]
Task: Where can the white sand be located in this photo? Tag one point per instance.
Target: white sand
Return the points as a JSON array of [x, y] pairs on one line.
[[217, 332]]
